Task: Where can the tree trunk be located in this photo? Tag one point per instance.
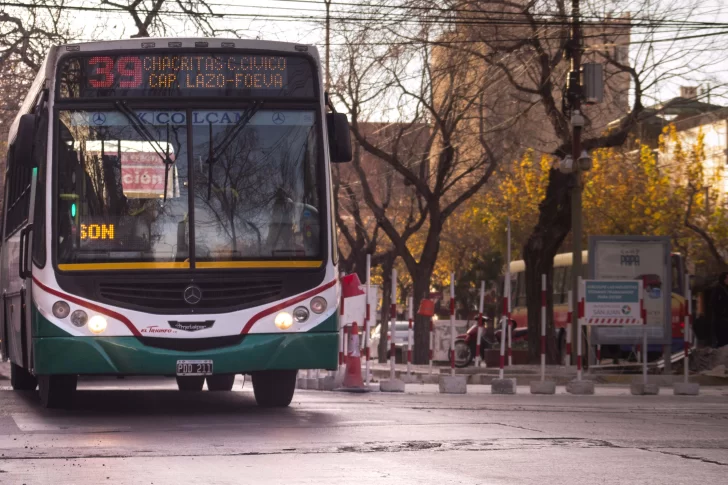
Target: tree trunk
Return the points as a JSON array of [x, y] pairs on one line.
[[554, 224], [421, 290]]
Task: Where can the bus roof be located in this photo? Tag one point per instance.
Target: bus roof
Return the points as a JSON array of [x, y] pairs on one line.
[[560, 260], [156, 43], [149, 44]]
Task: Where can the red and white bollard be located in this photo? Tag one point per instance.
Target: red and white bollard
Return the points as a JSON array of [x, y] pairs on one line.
[[578, 335], [480, 324], [687, 388], [393, 327], [367, 324], [510, 342], [432, 341], [569, 317], [504, 327], [543, 327], [599, 354], [409, 334], [452, 324]]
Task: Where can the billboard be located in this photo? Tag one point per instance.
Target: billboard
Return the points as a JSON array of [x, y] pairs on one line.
[[641, 258]]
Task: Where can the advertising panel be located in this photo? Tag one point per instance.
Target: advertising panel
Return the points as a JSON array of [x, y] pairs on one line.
[[641, 258]]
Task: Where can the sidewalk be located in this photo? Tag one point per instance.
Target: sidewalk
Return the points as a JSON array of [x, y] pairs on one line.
[[524, 374]]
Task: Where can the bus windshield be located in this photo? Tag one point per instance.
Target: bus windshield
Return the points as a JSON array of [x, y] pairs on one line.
[[186, 186]]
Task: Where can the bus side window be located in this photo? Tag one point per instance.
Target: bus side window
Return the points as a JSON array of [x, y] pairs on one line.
[[558, 285]]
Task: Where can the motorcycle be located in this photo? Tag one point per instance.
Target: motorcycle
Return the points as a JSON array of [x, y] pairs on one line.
[[465, 346]]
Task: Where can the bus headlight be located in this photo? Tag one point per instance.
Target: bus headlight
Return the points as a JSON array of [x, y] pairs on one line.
[[284, 320], [79, 318], [61, 309], [318, 304], [301, 314], [97, 324]]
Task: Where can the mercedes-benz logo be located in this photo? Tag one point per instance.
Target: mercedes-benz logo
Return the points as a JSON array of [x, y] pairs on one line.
[[278, 118], [192, 294], [99, 118]]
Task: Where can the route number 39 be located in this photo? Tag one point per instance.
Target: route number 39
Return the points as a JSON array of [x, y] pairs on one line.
[[104, 72]]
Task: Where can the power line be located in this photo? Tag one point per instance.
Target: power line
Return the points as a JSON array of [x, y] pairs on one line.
[[505, 19]]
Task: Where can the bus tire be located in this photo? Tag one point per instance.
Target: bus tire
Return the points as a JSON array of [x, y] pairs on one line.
[[220, 382], [190, 383], [274, 388], [57, 391], [21, 379]]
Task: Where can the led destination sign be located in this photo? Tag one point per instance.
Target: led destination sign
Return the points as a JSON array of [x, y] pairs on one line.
[[186, 74]]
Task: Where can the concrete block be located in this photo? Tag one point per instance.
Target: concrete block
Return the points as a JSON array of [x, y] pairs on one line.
[[301, 383], [312, 383], [543, 387], [686, 388], [391, 385], [409, 378], [453, 384], [641, 389], [503, 386], [580, 387], [327, 383]]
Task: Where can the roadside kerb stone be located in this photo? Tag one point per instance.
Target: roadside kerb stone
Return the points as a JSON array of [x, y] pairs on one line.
[[453, 384], [503, 386], [391, 385], [409, 378], [641, 389], [686, 389], [327, 383], [543, 387], [580, 387], [312, 383]]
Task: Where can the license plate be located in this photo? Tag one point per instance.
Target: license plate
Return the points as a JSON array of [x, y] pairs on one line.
[[194, 367]]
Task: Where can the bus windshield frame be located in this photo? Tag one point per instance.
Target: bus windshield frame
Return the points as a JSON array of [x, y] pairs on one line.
[[191, 104]]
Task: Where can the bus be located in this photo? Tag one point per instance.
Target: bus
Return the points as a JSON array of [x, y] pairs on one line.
[[168, 211], [561, 286]]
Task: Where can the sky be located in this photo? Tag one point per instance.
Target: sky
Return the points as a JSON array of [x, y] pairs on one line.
[[286, 20]]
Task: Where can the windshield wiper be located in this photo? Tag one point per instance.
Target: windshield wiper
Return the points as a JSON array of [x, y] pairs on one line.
[[228, 139], [142, 131]]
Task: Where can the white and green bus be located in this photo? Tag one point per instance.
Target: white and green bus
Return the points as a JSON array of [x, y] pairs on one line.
[[168, 211]]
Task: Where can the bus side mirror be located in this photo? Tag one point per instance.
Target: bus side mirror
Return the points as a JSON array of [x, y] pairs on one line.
[[24, 140], [339, 137]]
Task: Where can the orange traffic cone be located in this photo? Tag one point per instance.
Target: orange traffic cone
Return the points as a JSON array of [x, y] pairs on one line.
[[353, 381]]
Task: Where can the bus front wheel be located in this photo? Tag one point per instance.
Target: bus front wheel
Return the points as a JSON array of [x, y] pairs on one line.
[[56, 391], [274, 388], [21, 379]]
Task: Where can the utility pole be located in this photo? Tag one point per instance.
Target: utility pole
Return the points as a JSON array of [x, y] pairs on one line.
[[577, 121]]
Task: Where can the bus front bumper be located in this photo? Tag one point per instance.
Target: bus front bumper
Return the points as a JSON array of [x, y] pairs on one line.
[[129, 356]]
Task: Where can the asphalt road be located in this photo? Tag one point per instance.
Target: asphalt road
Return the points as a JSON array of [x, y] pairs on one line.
[[143, 431]]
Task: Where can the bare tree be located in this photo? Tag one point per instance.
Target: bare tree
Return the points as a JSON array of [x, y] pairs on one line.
[[438, 150], [528, 42]]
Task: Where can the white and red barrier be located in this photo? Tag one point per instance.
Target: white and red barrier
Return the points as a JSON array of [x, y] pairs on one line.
[[367, 324], [479, 335], [543, 327], [393, 327], [432, 341], [410, 316], [569, 317], [452, 324]]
